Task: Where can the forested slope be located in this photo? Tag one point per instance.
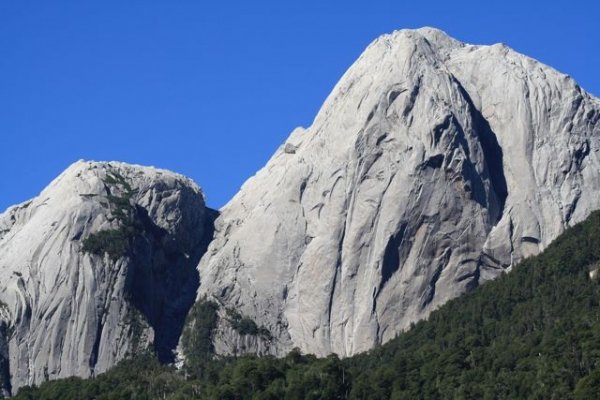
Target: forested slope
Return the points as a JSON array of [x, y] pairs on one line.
[[533, 333]]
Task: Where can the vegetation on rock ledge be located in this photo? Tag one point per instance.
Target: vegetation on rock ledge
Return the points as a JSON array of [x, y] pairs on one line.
[[246, 326], [196, 339], [115, 242]]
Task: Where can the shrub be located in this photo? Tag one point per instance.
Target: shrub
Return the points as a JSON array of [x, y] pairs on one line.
[[246, 326], [114, 242]]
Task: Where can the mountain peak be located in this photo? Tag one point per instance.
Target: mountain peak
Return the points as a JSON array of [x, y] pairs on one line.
[[99, 266], [433, 35], [412, 40], [432, 166]]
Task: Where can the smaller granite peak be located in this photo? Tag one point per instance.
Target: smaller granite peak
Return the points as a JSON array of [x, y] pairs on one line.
[[84, 169], [100, 266]]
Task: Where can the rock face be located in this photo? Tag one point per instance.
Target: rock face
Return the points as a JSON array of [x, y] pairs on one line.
[[433, 166], [102, 264]]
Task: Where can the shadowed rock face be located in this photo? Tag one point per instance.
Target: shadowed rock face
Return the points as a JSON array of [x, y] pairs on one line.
[[102, 264], [433, 166]]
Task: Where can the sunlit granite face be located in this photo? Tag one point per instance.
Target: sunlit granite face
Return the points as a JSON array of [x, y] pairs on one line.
[[99, 266], [433, 165]]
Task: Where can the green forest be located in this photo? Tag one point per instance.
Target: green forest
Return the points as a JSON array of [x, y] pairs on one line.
[[534, 333]]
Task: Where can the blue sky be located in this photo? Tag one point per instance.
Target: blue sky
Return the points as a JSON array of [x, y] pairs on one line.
[[211, 89]]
